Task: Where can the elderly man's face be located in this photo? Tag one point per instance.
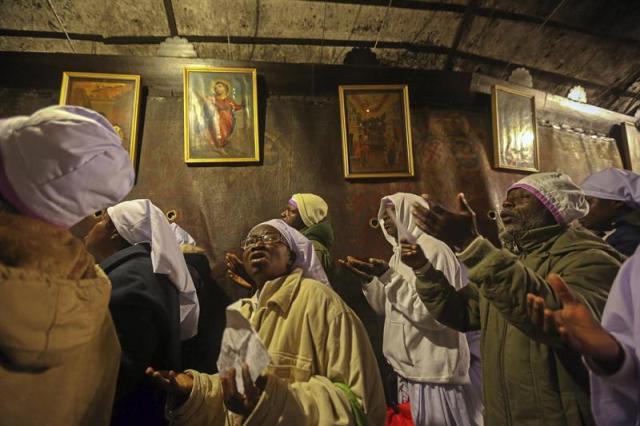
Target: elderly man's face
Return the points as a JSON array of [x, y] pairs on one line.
[[522, 211]]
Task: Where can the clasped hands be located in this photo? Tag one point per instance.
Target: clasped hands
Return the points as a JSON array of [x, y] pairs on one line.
[[179, 386]]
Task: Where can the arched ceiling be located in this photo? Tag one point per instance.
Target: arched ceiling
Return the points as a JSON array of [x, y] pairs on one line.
[[592, 43]]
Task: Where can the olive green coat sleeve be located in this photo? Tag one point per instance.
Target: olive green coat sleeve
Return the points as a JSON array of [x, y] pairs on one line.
[[458, 309], [504, 281]]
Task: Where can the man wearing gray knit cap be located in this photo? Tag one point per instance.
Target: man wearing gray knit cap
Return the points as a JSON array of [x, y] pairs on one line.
[[529, 377]]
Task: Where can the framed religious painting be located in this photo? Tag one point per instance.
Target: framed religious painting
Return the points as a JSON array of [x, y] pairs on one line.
[[115, 96], [515, 134], [220, 115], [376, 131], [631, 147]]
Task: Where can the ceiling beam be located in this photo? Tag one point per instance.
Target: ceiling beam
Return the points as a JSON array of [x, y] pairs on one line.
[[50, 34], [171, 18], [461, 32], [487, 12], [412, 47], [624, 85]]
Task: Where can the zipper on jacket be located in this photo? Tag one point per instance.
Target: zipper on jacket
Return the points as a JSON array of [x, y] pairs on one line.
[[503, 381]]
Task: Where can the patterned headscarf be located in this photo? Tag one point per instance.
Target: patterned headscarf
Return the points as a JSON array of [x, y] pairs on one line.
[[557, 192]]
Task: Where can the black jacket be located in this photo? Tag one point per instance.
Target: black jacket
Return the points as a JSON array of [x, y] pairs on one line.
[[201, 351], [146, 313]]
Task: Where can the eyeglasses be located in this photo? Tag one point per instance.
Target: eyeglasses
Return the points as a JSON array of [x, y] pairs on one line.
[[266, 239]]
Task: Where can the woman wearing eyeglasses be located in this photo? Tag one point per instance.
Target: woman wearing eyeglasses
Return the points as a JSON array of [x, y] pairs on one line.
[[322, 369]]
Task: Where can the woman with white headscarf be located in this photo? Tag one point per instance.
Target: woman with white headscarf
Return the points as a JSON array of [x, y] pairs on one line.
[[322, 371], [153, 301], [431, 360]]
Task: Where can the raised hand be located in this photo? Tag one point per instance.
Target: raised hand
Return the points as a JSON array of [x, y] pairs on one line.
[[236, 271], [574, 322], [412, 255], [365, 270], [177, 385], [457, 229], [234, 263], [579, 328], [237, 402]]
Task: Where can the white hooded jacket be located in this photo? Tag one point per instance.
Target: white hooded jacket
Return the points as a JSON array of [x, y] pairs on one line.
[[417, 346]]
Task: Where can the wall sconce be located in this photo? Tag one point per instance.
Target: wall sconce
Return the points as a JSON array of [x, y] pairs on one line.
[[171, 215], [522, 77], [177, 47], [361, 56]]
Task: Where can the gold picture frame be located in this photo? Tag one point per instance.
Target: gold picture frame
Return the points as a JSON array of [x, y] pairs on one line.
[[631, 147], [115, 96], [515, 131], [220, 115], [376, 131]]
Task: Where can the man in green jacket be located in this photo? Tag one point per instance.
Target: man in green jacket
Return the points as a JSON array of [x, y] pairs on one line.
[[528, 378], [308, 214]]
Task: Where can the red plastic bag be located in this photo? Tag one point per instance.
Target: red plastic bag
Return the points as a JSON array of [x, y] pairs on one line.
[[401, 416]]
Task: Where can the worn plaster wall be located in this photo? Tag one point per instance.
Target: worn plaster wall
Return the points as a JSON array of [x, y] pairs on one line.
[[302, 153]]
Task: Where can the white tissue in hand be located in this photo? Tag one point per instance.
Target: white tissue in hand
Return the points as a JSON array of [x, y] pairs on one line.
[[241, 344]]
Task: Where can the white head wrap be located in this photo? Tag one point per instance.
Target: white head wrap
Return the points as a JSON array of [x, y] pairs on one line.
[[182, 236], [312, 208], [436, 251], [139, 221], [557, 192], [62, 163], [614, 184], [403, 203], [306, 258]]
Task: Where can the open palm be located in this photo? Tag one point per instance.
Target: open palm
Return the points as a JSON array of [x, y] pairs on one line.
[[577, 325]]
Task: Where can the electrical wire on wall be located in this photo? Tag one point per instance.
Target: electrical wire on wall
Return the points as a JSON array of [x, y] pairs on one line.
[[53, 9], [353, 28], [384, 20], [528, 36], [255, 31], [324, 26], [229, 55]]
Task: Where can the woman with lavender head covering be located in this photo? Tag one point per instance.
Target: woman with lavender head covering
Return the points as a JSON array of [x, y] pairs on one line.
[[322, 368], [58, 346], [614, 207]]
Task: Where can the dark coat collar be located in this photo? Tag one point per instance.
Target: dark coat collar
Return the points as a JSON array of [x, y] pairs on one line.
[[119, 257]]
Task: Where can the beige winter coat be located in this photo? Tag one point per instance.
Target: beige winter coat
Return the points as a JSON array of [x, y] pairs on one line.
[[314, 340], [59, 350]]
